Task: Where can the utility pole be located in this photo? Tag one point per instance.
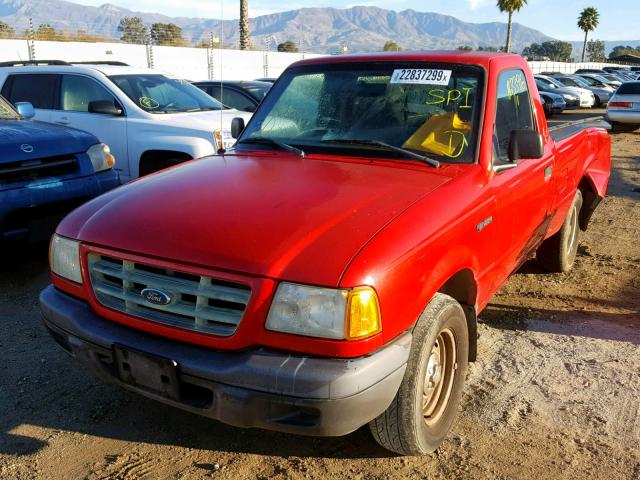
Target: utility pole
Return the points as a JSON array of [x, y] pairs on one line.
[[31, 43], [210, 65], [149, 48]]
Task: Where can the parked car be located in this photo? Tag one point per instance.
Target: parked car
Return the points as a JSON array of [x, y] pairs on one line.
[[587, 98], [241, 95], [552, 103], [45, 172], [603, 78], [150, 119], [624, 107], [327, 272], [267, 79], [571, 98], [602, 94]]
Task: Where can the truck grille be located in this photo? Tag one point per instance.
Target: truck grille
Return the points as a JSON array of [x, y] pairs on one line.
[[199, 303], [38, 168]]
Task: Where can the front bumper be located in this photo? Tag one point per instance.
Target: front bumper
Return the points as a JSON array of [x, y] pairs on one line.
[[258, 388], [33, 210]]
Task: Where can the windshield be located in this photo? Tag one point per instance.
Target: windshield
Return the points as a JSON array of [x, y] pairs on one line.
[[545, 83], [257, 92], [6, 111], [579, 82], [430, 109], [590, 81], [160, 94]]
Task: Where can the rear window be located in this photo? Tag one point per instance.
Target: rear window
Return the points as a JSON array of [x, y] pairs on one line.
[[39, 89], [631, 88]]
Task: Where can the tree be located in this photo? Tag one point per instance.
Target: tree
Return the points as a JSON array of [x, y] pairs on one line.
[[47, 32], [556, 50], [245, 41], [595, 48], [624, 50], [288, 46], [487, 49], [133, 30], [391, 46], [510, 6], [465, 48], [167, 34], [587, 22], [6, 31]]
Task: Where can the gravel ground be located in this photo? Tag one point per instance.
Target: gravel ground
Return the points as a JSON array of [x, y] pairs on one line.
[[554, 394]]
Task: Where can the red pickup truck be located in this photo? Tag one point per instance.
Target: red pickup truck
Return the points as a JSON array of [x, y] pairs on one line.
[[327, 272]]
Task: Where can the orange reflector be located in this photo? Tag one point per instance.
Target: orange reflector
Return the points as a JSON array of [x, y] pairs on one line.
[[363, 314]]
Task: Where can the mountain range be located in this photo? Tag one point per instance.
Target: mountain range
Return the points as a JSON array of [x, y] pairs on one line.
[[312, 29], [322, 30]]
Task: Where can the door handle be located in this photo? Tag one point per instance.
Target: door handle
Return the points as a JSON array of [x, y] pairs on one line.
[[547, 172]]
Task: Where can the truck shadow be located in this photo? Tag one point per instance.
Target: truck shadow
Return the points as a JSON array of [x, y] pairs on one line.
[[621, 327]]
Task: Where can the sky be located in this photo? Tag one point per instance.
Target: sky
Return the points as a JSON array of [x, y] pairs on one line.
[[619, 19]]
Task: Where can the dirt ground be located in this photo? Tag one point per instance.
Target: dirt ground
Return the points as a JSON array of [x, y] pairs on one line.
[[554, 394]]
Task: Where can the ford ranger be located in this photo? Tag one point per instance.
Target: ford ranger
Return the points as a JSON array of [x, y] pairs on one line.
[[327, 272], [45, 172]]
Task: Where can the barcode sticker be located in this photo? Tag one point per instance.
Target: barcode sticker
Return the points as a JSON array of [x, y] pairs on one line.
[[424, 76]]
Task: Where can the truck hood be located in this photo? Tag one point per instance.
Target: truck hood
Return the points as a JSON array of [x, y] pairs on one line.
[[270, 215], [45, 140], [203, 121]]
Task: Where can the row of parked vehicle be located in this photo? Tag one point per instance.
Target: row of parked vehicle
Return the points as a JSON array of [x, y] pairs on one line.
[[583, 89]]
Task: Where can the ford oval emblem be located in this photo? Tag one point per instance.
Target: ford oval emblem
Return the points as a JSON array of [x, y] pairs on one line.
[[26, 148], [156, 297]]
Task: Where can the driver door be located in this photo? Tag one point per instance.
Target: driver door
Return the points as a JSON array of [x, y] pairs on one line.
[[522, 191]]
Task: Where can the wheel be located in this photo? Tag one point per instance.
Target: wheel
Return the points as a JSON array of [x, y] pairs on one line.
[[557, 253], [421, 414]]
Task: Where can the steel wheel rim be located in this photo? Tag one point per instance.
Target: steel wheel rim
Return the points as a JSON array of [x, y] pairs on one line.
[[439, 376]]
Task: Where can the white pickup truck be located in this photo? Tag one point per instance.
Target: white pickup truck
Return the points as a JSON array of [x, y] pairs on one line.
[[148, 118]]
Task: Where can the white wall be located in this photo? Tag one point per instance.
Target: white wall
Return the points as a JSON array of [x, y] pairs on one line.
[[192, 63], [184, 62]]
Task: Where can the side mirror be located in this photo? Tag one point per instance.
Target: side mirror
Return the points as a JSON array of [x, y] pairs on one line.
[[26, 110], [525, 144], [237, 126], [105, 107]]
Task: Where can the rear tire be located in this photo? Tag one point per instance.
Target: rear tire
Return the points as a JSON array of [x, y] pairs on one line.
[[421, 414], [558, 252]]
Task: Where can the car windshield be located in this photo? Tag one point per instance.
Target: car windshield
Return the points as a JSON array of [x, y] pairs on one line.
[[257, 92], [590, 81], [546, 83], [365, 108], [160, 94], [579, 81], [6, 111]]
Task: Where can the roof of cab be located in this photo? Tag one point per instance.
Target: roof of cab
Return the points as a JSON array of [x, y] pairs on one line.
[[83, 68], [445, 56]]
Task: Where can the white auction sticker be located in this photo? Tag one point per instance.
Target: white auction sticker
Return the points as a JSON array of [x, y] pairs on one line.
[[424, 76]]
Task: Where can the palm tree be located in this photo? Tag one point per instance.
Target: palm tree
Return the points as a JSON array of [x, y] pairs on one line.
[[510, 6], [244, 24], [587, 22]]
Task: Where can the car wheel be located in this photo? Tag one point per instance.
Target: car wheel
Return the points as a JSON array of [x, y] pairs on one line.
[[421, 414], [558, 252]]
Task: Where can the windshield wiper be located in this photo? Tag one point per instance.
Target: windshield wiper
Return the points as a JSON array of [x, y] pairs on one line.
[[386, 146], [271, 141]]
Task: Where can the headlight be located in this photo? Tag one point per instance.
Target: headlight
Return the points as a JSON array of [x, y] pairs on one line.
[[325, 312], [64, 258], [101, 157]]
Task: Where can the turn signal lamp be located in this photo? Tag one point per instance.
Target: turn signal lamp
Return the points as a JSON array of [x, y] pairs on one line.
[[363, 314]]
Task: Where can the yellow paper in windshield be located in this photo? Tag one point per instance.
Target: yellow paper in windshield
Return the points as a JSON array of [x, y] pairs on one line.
[[444, 134]]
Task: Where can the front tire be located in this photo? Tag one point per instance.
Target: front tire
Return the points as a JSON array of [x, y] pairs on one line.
[[558, 252], [421, 414]]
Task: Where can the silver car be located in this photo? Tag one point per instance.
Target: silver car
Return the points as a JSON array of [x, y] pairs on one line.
[[602, 94], [624, 106]]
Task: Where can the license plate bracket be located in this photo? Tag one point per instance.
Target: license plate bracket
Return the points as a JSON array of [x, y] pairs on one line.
[[149, 372]]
